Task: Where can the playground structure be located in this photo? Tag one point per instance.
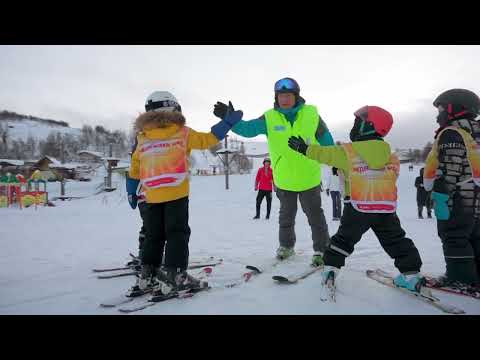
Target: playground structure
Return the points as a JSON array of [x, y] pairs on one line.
[[15, 189]]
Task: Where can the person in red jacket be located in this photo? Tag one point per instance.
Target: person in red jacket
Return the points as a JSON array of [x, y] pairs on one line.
[[264, 185]]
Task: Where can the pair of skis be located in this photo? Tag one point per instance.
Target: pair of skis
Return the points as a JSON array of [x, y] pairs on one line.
[[466, 290], [134, 269], [424, 295], [130, 297], [280, 279]]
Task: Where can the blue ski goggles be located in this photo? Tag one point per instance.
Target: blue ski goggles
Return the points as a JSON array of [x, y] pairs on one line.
[[286, 84]]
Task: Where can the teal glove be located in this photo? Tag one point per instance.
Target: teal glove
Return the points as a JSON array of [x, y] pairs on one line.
[[440, 201]]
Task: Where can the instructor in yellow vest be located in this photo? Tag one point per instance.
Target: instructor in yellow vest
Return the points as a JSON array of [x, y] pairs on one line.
[[295, 176]]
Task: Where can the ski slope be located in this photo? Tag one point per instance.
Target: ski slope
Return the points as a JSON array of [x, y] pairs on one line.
[[47, 255], [23, 129]]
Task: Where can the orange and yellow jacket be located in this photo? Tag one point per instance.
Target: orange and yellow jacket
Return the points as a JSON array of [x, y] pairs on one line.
[[160, 160]]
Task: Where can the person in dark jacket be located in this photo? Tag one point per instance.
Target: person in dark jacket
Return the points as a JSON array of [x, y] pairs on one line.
[[423, 197], [452, 171]]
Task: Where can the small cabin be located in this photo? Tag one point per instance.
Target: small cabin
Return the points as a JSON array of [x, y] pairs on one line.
[[86, 156]]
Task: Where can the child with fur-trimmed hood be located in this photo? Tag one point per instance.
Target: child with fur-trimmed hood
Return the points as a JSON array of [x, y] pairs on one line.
[[159, 169]]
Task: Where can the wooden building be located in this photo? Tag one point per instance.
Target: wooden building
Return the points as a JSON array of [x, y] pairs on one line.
[[86, 156]]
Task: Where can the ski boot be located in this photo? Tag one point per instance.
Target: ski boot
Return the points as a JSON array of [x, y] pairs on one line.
[[145, 281], [175, 280], [444, 281], [317, 259], [256, 217], [329, 277], [412, 282], [284, 252], [134, 262]]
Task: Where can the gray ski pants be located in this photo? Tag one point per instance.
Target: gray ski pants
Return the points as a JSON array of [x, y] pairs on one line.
[[311, 203]]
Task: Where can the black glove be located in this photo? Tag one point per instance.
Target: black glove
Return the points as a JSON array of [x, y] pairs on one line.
[[328, 192], [220, 109], [298, 144]]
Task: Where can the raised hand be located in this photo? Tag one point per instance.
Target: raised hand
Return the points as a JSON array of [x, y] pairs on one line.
[[220, 110], [298, 144]]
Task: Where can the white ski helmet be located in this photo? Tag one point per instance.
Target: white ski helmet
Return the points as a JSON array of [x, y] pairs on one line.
[[162, 101]]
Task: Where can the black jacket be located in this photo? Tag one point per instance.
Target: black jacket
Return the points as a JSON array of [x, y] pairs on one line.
[[452, 156]]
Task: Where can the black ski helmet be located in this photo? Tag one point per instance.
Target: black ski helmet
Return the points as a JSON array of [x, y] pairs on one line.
[[457, 102]]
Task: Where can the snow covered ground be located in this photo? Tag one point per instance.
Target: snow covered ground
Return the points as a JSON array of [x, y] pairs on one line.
[[47, 255]]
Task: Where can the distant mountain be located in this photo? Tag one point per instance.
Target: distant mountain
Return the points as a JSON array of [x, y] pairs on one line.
[[20, 126]]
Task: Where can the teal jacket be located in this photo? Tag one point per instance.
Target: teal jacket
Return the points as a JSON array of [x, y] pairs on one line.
[[255, 127]]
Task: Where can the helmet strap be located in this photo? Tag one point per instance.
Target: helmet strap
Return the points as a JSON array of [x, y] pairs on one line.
[[362, 132]]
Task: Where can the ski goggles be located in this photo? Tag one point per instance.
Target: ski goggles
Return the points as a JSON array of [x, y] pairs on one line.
[[286, 84], [163, 105]]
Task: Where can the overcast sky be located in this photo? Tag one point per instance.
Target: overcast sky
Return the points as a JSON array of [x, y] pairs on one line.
[[107, 85]]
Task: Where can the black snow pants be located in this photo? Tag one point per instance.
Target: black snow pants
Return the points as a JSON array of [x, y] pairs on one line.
[[264, 194], [141, 234], [389, 232], [167, 229], [460, 236]]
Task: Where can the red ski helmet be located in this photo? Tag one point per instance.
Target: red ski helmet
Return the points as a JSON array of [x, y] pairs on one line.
[[381, 119]]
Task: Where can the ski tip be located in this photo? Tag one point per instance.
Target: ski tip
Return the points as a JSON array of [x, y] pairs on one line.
[[254, 268], [280, 279]]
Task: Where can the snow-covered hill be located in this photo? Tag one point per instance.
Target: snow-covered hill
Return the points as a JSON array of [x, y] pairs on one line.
[[21, 129], [48, 253]]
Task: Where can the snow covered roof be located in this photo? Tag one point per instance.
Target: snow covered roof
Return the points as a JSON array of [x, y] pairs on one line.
[[94, 153], [63, 166], [54, 161], [12, 162]]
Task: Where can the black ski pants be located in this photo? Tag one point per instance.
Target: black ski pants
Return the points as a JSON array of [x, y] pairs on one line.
[[167, 229], [388, 230], [460, 237], [141, 234], [264, 194]]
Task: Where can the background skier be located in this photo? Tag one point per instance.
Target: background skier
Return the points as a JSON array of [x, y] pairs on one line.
[[423, 197], [264, 186], [333, 190]]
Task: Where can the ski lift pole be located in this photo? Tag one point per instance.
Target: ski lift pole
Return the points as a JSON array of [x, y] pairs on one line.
[[226, 162]]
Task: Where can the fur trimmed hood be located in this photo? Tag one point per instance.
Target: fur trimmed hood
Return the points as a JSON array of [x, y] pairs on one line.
[[158, 119]]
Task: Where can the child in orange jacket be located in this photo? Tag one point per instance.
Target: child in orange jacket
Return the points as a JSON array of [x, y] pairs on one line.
[[160, 169]]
